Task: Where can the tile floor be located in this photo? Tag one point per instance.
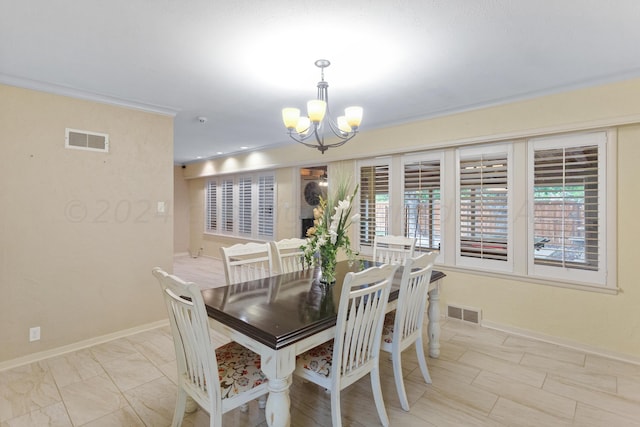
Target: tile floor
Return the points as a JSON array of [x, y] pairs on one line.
[[482, 378]]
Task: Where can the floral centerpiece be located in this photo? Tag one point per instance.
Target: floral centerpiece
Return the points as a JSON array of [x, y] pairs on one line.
[[332, 219]]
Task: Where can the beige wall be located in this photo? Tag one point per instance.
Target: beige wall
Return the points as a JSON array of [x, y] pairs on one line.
[[79, 230], [181, 237], [607, 323]]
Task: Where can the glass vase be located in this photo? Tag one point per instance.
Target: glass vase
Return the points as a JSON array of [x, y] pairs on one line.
[[328, 267]]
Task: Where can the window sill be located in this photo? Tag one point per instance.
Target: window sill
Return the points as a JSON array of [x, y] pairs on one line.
[[240, 238], [529, 279]]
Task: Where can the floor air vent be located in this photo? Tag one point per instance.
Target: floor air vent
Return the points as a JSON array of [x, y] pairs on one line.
[[471, 315], [84, 140]]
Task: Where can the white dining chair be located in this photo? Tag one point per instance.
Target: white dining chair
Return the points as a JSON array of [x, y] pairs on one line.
[[218, 380], [403, 326], [244, 262], [393, 249], [287, 255], [355, 351]]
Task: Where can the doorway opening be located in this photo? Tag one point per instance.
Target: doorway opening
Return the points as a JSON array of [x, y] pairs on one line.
[[313, 185]]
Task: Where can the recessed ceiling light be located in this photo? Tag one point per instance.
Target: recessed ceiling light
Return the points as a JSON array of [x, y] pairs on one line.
[[243, 148], [219, 152]]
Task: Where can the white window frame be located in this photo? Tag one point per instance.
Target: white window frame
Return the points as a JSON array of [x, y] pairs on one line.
[[482, 263], [227, 219], [211, 204], [367, 249], [520, 242], [601, 139], [266, 211], [246, 212], [427, 157], [256, 218]]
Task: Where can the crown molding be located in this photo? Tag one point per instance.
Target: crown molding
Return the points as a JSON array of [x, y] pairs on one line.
[[85, 95]]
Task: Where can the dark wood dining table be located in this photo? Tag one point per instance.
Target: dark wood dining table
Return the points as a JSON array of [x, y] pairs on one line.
[[285, 315]]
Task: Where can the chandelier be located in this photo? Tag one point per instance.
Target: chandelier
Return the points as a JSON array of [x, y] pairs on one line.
[[319, 121]]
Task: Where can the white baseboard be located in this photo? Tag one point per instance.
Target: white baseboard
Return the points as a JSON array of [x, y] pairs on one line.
[[187, 254], [58, 351], [561, 342]]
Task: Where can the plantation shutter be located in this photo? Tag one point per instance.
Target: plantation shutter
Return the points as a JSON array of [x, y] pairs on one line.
[[483, 221], [211, 198], [244, 205], [422, 203], [266, 205], [374, 203], [566, 200], [227, 206]]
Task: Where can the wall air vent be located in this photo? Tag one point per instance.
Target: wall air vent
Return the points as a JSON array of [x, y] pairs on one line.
[[471, 315], [85, 140], [454, 312]]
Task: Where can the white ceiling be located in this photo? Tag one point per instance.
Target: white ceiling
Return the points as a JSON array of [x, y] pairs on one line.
[[238, 62]]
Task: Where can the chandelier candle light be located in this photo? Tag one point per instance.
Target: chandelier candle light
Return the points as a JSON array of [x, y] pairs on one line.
[[319, 119]]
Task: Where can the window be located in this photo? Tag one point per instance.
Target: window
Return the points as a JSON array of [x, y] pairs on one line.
[[251, 215], [227, 206], [266, 206], [421, 201], [244, 205], [483, 207], [374, 203], [211, 221], [568, 197], [540, 209]]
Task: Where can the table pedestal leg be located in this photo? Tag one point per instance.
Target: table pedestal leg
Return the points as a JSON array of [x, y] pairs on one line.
[[434, 322], [191, 406], [278, 403], [278, 367]]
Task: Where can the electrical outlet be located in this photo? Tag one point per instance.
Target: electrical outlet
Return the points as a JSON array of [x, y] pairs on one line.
[[34, 333]]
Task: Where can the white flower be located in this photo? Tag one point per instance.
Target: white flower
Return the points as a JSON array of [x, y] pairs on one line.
[[334, 236], [330, 230], [335, 219], [343, 205]]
